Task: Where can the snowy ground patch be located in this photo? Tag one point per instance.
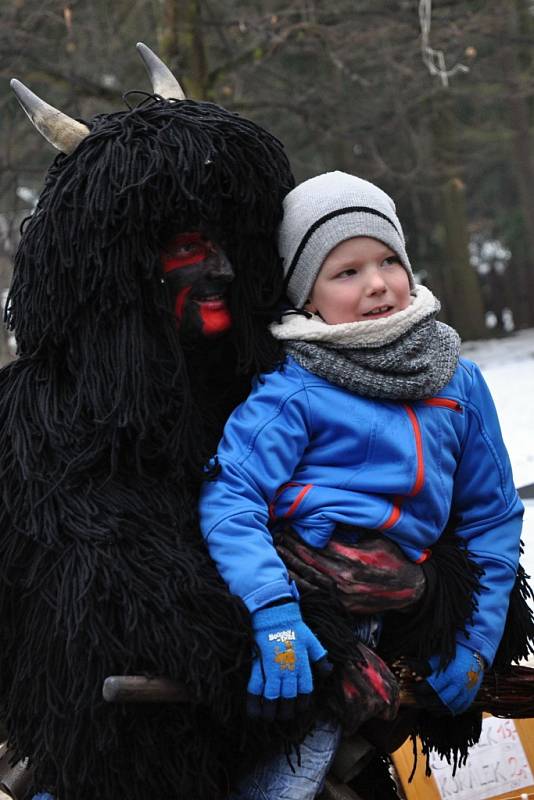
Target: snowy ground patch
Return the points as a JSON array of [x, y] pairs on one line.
[[508, 368]]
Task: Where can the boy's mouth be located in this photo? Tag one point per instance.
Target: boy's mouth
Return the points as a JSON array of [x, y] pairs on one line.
[[379, 311]]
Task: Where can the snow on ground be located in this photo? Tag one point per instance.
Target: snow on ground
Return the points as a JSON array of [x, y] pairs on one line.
[[508, 367]]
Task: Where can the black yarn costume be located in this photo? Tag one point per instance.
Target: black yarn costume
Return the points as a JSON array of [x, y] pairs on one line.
[[105, 424]]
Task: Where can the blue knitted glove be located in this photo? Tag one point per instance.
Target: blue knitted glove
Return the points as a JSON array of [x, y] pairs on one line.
[[281, 680], [458, 683]]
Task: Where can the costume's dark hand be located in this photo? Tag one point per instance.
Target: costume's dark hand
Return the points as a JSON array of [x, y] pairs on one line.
[[369, 577], [453, 688], [281, 681]]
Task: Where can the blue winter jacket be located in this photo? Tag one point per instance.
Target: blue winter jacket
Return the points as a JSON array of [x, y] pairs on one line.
[[304, 450]]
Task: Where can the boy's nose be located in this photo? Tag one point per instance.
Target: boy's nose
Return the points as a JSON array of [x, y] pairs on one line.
[[375, 279]]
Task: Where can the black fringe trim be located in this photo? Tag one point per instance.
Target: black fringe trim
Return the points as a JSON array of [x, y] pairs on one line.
[[447, 605], [518, 638], [450, 737], [375, 782]]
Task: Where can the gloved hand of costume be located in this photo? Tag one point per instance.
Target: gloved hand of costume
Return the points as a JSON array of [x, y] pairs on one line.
[[368, 577], [281, 680], [455, 687]]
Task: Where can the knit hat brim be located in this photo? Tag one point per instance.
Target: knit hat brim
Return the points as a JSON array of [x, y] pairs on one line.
[[327, 233]]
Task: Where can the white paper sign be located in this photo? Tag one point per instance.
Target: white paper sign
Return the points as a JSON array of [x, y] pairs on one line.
[[495, 765]]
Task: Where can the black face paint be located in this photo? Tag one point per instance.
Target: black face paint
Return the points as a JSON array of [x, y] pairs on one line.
[[198, 274]]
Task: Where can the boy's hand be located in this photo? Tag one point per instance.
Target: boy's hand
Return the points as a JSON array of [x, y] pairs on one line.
[[456, 685], [281, 679]]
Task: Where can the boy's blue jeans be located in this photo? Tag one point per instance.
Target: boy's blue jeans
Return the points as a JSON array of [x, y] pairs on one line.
[[275, 780]]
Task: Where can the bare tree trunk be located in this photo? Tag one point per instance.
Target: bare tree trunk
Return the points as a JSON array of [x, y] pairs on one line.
[[521, 154], [462, 287], [181, 42]]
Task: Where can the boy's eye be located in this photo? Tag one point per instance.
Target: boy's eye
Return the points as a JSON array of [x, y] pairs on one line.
[[391, 260], [346, 272]]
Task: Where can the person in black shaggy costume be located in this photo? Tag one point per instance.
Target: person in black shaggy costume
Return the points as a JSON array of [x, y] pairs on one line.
[[107, 418]]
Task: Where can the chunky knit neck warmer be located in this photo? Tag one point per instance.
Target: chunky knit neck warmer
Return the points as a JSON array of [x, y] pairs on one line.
[[408, 356]]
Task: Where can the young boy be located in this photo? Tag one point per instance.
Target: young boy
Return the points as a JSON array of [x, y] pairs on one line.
[[372, 421]]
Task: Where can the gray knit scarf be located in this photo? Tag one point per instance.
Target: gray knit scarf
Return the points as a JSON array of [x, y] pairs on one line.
[[408, 356]]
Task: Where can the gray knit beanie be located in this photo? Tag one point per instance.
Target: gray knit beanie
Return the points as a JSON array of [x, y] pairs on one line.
[[324, 211]]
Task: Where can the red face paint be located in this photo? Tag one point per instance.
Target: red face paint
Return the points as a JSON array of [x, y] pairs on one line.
[[198, 273], [184, 250], [215, 316], [181, 298]]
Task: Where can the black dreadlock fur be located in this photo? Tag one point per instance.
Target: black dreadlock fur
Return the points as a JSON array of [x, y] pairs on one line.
[[451, 742], [101, 567], [518, 639], [452, 579], [375, 782], [138, 178]]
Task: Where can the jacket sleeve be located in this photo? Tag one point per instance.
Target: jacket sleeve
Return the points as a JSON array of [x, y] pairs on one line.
[[488, 516], [262, 444]]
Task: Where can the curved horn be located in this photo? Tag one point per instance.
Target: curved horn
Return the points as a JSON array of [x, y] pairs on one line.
[[163, 81], [57, 128]]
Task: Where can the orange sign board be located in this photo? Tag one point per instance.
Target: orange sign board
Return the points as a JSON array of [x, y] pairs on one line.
[[500, 767]]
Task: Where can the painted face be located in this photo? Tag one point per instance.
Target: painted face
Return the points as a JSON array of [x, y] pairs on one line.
[[360, 279], [198, 273]]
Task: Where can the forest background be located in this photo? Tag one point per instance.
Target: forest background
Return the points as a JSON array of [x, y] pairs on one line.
[[432, 101]]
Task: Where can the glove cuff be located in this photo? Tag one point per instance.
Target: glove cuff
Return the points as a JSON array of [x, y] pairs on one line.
[[276, 616]]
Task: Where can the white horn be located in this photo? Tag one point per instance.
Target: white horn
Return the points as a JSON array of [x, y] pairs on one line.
[[163, 81], [59, 129]]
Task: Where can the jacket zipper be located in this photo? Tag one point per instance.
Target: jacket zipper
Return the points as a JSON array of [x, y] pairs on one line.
[[444, 402], [419, 473]]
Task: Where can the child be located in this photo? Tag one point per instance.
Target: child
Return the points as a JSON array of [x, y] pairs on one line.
[[373, 421]]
